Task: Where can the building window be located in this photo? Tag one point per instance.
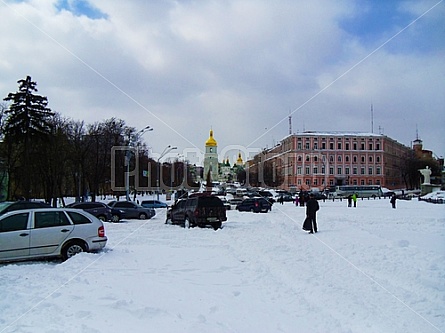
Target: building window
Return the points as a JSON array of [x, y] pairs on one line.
[[370, 171], [362, 171], [347, 145], [354, 159], [370, 146], [377, 146], [339, 158], [339, 171], [378, 171], [299, 158], [377, 159], [323, 145], [315, 182], [308, 170], [331, 146], [354, 145], [355, 182], [307, 145], [354, 170], [362, 182], [370, 159], [315, 158], [299, 145], [363, 159], [347, 170], [331, 170], [315, 145], [308, 182], [323, 170], [299, 170], [315, 170], [362, 146], [331, 158], [339, 145], [307, 158], [299, 181], [346, 158]]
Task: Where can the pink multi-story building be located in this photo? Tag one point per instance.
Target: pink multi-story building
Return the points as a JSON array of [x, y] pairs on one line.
[[322, 159]]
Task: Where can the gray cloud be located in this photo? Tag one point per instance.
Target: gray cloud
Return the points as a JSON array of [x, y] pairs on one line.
[[237, 66]]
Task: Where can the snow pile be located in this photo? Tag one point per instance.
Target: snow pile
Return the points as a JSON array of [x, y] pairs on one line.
[[369, 269]]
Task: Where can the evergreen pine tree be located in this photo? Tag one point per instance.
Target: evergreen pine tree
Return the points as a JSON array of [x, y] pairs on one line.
[[27, 123]]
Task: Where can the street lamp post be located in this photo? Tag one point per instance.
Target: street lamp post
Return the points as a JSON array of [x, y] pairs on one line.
[[128, 156], [167, 149]]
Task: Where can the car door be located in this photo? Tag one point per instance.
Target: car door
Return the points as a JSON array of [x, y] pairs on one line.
[[50, 229], [14, 236], [129, 209], [177, 211]]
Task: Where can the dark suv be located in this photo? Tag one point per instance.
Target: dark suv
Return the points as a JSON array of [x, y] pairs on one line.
[[200, 210], [99, 209], [9, 206], [254, 205]]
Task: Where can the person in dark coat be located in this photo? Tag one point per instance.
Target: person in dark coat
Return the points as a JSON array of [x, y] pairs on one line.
[[311, 211], [350, 200], [393, 201]]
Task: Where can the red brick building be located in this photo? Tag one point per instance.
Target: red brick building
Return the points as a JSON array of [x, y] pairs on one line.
[[323, 159]]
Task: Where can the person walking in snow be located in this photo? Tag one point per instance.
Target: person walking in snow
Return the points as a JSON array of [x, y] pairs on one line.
[[349, 200], [393, 201], [311, 213]]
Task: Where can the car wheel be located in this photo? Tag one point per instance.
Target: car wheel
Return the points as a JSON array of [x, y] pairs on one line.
[[187, 223], [217, 226], [115, 218], [142, 216], [102, 218], [71, 249]]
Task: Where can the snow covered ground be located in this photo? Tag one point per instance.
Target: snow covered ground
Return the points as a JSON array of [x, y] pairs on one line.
[[369, 269]]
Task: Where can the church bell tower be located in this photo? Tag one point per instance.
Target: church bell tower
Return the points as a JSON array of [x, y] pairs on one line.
[[211, 158]]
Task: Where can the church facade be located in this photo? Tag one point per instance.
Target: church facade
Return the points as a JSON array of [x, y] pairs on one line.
[[219, 172]]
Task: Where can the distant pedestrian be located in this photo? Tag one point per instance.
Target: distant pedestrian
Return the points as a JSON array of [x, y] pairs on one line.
[[350, 200], [393, 201], [311, 214], [296, 201], [354, 199]]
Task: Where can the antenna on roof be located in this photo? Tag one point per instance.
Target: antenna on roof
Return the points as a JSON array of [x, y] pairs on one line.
[[290, 123]]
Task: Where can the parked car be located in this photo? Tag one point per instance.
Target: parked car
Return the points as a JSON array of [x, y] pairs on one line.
[[199, 210], [153, 204], [9, 206], [98, 209], [132, 210], [49, 232], [255, 205], [285, 197]]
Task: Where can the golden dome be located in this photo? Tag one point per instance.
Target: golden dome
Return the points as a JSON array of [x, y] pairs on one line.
[[211, 141], [240, 159]]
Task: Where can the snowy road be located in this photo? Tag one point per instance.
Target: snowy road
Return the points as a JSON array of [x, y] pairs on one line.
[[369, 269]]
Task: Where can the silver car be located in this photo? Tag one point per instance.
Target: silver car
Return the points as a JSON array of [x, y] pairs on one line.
[[50, 232]]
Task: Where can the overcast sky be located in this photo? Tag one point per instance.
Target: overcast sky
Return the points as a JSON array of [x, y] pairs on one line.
[[239, 67]]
